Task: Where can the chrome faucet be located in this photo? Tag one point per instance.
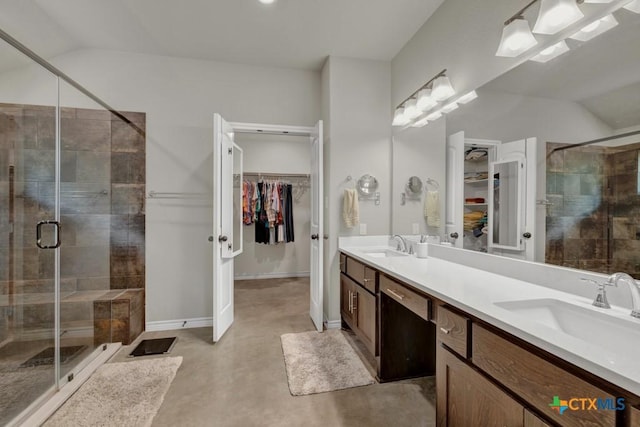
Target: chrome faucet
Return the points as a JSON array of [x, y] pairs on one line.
[[402, 240], [633, 287]]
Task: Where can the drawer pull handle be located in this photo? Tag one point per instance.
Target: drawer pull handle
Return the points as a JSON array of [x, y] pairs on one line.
[[395, 294], [445, 331]]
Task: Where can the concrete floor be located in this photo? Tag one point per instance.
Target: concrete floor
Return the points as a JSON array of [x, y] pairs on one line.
[[241, 380]]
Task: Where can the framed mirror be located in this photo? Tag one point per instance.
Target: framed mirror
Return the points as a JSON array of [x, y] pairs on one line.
[[505, 204]]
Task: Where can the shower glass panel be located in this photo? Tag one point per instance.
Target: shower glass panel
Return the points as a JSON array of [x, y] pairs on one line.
[[85, 218], [28, 98]]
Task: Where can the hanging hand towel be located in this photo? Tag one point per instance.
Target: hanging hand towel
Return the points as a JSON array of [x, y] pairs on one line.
[[350, 209], [432, 208]]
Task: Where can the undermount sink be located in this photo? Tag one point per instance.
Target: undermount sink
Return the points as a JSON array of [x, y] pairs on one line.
[[585, 323], [384, 253]]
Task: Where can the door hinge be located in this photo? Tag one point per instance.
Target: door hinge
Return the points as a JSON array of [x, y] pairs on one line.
[[70, 377], [230, 151]]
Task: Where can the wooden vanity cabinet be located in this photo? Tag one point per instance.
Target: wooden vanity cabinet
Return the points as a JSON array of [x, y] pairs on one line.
[[466, 398], [359, 303]]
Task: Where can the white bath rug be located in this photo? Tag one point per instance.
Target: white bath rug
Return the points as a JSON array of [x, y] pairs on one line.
[[319, 362], [119, 394]]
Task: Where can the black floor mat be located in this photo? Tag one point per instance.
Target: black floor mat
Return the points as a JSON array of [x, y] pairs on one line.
[[46, 356], [154, 346]]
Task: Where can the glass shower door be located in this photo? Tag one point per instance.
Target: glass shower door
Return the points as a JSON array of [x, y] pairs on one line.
[[27, 198]]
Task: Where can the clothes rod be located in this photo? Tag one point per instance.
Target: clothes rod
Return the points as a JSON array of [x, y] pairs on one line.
[[288, 175]]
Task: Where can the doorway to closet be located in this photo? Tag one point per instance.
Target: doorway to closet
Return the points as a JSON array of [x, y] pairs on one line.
[[291, 155]]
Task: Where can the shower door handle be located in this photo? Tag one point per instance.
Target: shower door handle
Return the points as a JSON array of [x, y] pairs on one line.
[[56, 224]]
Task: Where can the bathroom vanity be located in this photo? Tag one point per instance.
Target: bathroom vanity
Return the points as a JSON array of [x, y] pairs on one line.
[[496, 361]]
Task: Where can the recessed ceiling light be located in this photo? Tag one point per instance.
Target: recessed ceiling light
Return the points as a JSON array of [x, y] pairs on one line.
[[267, 1]]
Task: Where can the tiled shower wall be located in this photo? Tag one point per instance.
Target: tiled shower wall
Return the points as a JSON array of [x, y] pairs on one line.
[[592, 222], [102, 206]]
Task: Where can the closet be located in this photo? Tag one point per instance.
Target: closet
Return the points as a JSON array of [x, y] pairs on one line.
[[276, 213]]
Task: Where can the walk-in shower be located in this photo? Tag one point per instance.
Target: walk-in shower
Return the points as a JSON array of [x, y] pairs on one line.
[[72, 186]]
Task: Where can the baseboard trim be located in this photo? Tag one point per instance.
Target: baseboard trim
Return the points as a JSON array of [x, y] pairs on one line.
[[333, 324], [170, 325], [271, 275]]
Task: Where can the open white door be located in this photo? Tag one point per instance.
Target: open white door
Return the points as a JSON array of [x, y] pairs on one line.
[[316, 291], [227, 221], [454, 215]]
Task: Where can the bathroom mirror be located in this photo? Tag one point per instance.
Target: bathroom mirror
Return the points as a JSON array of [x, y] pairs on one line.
[[587, 202], [505, 216], [414, 186]]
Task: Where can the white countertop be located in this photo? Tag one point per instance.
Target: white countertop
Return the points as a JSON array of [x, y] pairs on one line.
[[475, 291]]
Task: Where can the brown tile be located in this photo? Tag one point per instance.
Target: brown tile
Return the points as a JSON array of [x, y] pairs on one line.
[[120, 309], [85, 113], [46, 128], [135, 117], [127, 199], [119, 261], [119, 230], [120, 168], [623, 228], [93, 283], [137, 168], [127, 138], [89, 135], [120, 331], [94, 167], [101, 331], [102, 309], [136, 261]]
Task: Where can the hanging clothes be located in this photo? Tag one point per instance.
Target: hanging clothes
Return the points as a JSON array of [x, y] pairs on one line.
[[269, 206]]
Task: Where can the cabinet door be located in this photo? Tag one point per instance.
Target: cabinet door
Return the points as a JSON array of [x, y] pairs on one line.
[[366, 318], [531, 420], [347, 290], [466, 398]]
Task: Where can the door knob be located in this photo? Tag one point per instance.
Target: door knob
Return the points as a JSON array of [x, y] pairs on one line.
[[454, 235], [526, 235], [314, 237], [210, 238], [222, 238]]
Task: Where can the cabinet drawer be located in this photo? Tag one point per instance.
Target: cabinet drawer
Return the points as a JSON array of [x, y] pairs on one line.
[[343, 263], [453, 330], [634, 414], [412, 300], [362, 275], [530, 420], [537, 381]]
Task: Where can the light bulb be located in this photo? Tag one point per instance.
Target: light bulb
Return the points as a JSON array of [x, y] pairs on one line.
[[399, 119], [425, 100], [411, 110]]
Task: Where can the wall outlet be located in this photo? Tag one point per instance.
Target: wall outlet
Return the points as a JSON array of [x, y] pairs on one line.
[[363, 229], [415, 228]]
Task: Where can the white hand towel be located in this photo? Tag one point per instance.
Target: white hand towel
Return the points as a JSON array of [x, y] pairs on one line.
[[432, 208], [350, 208]]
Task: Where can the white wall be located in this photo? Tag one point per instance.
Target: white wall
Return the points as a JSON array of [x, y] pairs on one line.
[[277, 154], [358, 143], [420, 152], [180, 97]]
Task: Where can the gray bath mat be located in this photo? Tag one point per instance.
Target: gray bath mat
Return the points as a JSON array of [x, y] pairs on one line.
[[319, 362], [119, 394], [46, 356]]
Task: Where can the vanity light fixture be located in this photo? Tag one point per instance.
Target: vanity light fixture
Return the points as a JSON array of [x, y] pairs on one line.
[[556, 15], [596, 28], [411, 110], [516, 38], [434, 116], [424, 99], [551, 52], [420, 123], [633, 6], [449, 107], [466, 98], [399, 119], [442, 88]]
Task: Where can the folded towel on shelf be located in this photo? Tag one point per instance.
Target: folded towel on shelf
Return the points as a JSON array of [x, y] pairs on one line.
[[432, 208], [350, 208]]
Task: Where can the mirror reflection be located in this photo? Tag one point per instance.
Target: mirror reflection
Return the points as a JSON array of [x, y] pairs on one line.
[[583, 187]]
